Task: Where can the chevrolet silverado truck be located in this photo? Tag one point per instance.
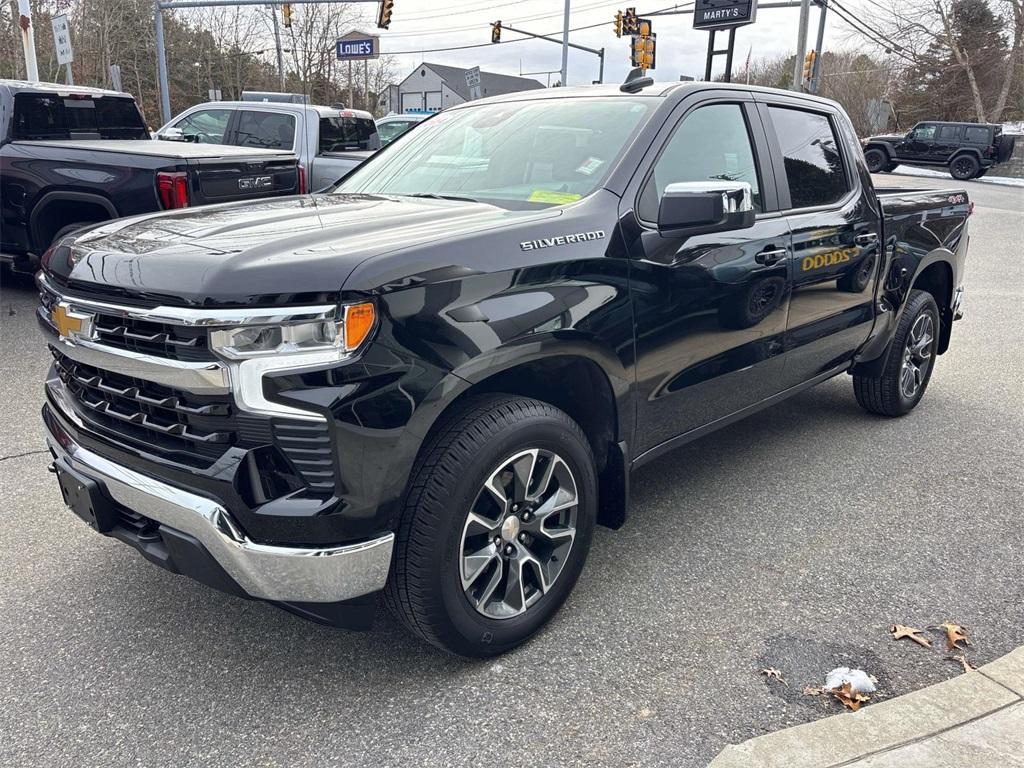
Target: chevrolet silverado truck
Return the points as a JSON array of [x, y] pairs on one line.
[[72, 156], [433, 381]]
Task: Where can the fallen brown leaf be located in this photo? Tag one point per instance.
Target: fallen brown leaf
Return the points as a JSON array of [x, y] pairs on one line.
[[899, 632], [954, 634], [811, 690], [848, 697], [773, 674], [963, 661]]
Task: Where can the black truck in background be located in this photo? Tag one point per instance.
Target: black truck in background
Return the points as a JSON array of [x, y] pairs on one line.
[[434, 380], [71, 157]]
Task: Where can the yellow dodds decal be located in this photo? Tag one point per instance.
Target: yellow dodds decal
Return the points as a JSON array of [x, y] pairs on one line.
[[827, 259]]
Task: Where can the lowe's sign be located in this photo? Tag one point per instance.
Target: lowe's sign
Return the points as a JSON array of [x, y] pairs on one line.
[[351, 48]]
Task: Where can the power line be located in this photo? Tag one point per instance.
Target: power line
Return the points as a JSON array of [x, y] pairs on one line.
[[471, 27]]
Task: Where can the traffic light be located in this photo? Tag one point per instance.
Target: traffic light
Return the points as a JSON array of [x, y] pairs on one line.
[[618, 23], [286, 13], [384, 13], [643, 51], [629, 21], [809, 65], [643, 27], [496, 31]]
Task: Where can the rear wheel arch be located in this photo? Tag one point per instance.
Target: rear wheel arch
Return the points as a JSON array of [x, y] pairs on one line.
[[937, 279], [56, 210]]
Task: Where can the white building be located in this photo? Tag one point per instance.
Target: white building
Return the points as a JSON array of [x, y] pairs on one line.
[[433, 87]]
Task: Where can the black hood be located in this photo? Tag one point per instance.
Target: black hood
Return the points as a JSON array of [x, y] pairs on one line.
[[283, 250], [888, 139]]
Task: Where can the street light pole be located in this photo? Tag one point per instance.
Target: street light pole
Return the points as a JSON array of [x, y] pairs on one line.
[[565, 46], [161, 62], [28, 40]]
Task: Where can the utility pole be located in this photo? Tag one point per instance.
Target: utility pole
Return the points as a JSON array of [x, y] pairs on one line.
[[280, 52], [28, 40], [161, 58], [801, 44], [816, 74], [565, 46]]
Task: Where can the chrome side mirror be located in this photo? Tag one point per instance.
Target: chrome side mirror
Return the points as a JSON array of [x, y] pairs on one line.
[[171, 134], [706, 206]]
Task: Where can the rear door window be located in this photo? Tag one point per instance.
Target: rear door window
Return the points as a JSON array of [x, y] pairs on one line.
[[949, 132], [811, 155], [46, 116], [268, 130], [976, 134], [344, 134], [207, 126]]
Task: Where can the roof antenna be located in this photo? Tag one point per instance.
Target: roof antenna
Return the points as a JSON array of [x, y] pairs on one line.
[[635, 81]]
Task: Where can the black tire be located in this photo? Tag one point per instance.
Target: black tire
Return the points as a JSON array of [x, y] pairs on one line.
[[876, 159], [891, 167], [887, 395], [981, 173], [425, 588], [964, 167]]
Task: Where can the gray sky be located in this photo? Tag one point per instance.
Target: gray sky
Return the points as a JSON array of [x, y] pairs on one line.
[[419, 25]]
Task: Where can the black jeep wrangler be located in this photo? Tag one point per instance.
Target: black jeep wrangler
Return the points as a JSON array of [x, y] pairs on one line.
[[968, 150]]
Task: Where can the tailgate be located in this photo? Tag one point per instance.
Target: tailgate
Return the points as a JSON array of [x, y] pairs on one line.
[[223, 179]]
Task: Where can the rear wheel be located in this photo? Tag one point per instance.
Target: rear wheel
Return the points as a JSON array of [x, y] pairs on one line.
[[496, 526], [964, 167], [908, 367], [876, 160]]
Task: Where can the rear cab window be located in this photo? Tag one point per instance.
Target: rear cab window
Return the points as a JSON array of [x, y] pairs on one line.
[[949, 132], [346, 133], [815, 171], [267, 130], [78, 116]]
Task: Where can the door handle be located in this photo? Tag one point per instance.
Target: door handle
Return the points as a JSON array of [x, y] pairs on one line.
[[769, 257], [868, 238]]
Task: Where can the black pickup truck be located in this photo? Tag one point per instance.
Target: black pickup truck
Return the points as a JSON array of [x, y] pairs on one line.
[[73, 156], [434, 380]]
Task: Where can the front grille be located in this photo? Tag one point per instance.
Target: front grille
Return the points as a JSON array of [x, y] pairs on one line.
[[177, 342], [189, 428], [151, 414]]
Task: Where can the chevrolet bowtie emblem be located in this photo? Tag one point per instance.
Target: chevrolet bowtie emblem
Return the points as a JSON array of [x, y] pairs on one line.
[[71, 324]]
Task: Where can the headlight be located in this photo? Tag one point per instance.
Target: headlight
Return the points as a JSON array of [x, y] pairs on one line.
[[285, 338]]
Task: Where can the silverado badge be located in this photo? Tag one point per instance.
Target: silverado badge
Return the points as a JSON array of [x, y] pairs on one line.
[[71, 324]]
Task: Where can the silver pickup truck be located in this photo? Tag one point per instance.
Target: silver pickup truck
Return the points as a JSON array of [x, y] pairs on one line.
[[329, 141]]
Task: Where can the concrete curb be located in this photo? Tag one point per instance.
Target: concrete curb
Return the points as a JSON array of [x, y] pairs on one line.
[[976, 718]]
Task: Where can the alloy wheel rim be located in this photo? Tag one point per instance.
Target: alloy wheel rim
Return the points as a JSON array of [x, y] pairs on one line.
[[963, 166], [518, 533], [917, 356]]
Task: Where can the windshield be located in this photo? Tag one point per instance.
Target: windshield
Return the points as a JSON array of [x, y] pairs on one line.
[[530, 154], [45, 116]]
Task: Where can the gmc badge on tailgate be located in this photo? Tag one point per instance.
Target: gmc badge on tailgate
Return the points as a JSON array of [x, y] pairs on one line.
[[255, 182]]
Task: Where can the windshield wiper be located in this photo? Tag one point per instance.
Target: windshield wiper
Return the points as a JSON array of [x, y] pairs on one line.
[[434, 196]]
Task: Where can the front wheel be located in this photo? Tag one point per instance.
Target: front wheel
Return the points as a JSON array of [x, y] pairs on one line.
[[908, 367], [496, 526], [876, 160]]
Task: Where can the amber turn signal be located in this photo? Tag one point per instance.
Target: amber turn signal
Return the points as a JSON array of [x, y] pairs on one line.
[[359, 320]]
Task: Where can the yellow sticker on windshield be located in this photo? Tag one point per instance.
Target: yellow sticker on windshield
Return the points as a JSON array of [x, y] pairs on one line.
[[559, 198]]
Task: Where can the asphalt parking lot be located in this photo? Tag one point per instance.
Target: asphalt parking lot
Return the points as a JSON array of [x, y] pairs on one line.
[[791, 540]]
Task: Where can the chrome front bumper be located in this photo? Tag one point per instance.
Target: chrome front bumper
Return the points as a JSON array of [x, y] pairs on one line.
[[285, 574]]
